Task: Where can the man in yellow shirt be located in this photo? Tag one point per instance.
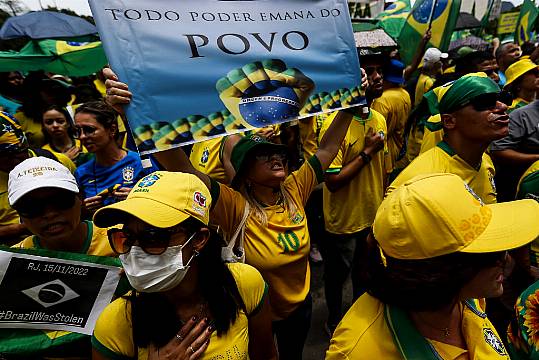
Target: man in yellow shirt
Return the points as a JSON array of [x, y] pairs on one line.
[[472, 117], [432, 66], [358, 173], [394, 105], [444, 251]]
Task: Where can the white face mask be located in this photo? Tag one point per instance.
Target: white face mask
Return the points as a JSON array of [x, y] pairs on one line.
[[155, 273]]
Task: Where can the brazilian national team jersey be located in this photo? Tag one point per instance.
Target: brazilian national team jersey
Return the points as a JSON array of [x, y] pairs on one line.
[[206, 157], [93, 178], [442, 159], [372, 330], [113, 333], [280, 248]]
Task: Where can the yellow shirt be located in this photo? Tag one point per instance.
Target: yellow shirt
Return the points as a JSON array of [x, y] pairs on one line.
[[8, 216], [32, 129], [96, 242], [341, 215], [442, 159], [280, 248], [56, 153], [433, 133], [113, 333], [364, 333], [395, 106], [309, 130], [206, 157], [424, 84]]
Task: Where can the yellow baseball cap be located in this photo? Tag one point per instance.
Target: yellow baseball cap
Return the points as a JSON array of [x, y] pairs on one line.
[[439, 214], [518, 69], [162, 199]]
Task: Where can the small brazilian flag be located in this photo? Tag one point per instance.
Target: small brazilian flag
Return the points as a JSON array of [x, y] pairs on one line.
[[393, 18], [441, 14], [526, 21]]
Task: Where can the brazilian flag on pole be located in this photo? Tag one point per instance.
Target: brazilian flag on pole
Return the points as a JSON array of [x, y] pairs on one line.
[[393, 18], [438, 15], [526, 21]]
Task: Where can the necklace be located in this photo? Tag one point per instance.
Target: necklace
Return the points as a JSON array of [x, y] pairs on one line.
[[446, 330]]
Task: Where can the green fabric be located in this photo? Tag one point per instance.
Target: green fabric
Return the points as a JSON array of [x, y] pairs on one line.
[[248, 144], [526, 22], [103, 350], [529, 185], [463, 90], [445, 147], [409, 342], [317, 167], [392, 20], [215, 191], [56, 56], [261, 303]]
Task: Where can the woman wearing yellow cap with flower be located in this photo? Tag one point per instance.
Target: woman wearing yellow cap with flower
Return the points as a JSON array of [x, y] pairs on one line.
[[444, 251], [187, 303], [522, 82]]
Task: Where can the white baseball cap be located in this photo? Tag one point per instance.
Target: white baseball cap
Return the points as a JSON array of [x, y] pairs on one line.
[[39, 172], [433, 55]]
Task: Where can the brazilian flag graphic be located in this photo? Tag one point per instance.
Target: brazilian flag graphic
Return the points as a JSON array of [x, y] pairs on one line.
[[526, 21], [394, 17], [441, 15]]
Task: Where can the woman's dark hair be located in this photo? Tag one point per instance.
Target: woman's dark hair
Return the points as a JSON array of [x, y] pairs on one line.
[[104, 114], [67, 116], [426, 284], [155, 319]]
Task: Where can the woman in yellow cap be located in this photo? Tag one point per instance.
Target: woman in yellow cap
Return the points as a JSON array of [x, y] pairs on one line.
[[522, 82], [444, 251], [269, 204], [187, 303]]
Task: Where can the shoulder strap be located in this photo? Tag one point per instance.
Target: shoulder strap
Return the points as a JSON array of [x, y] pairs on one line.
[[240, 230]]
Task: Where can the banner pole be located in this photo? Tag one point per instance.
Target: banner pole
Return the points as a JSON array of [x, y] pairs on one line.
[[432, 14]]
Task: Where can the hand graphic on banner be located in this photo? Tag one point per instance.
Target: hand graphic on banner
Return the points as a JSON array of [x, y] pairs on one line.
[[264, 93], [314, 103]]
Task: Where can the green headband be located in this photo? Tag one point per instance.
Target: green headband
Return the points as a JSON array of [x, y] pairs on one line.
[[464, 89]]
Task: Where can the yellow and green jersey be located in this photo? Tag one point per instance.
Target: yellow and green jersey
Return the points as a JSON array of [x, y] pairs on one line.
[[341, 215], [113, 333], [371, 330], [8, 216], [442, 159], [309, 132], [424, 84], [280, 248], [32, 129], [395, 106], [529, 184], [206, 157], [433, 133], [517, 103]]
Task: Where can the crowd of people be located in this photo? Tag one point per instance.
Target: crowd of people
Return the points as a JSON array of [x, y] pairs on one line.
[[426, 197]]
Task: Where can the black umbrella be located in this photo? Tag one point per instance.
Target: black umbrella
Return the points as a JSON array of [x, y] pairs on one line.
[[46, 25], [466, 21]]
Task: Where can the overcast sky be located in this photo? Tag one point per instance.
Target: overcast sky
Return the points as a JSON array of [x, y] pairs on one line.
[[81, 6]]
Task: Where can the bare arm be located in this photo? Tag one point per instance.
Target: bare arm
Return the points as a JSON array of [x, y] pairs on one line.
[[410, 69], [373, 143], [330, 143], [261, 344], [230, 142], [513, 157], [10, 234], [177, 160]]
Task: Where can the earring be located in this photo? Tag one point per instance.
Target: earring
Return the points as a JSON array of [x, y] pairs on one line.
[[196, 253]]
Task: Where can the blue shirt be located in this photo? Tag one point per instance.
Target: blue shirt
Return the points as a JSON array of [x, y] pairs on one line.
[[9, 105], [93, 178]]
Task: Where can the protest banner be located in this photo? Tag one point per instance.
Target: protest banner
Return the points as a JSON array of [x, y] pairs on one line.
[[508, 23], [205, 68], [54, 290]]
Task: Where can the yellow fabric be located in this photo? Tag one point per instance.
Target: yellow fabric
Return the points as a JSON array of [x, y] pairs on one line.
[[341, 215], [516, 103], [99, 245], [449, 70], [8, 216], [280, 248], [32, 130], [363, 333], [437, 160], [394, 105], [100, 86], [424, 84], [205, 157], [309, 129], [534, 245], [431, 138], [113, 329], [517, 69], [61, 157]]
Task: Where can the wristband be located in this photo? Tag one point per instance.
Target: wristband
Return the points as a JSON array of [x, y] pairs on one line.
[[366, 158]]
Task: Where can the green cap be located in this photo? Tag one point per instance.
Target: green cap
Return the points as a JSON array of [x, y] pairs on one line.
[[246, 146]]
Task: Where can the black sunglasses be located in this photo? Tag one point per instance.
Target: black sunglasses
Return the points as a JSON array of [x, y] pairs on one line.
[[153, 241], [489, 101], [267, 156], [369, 70], [31, 208], [86, 130]]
